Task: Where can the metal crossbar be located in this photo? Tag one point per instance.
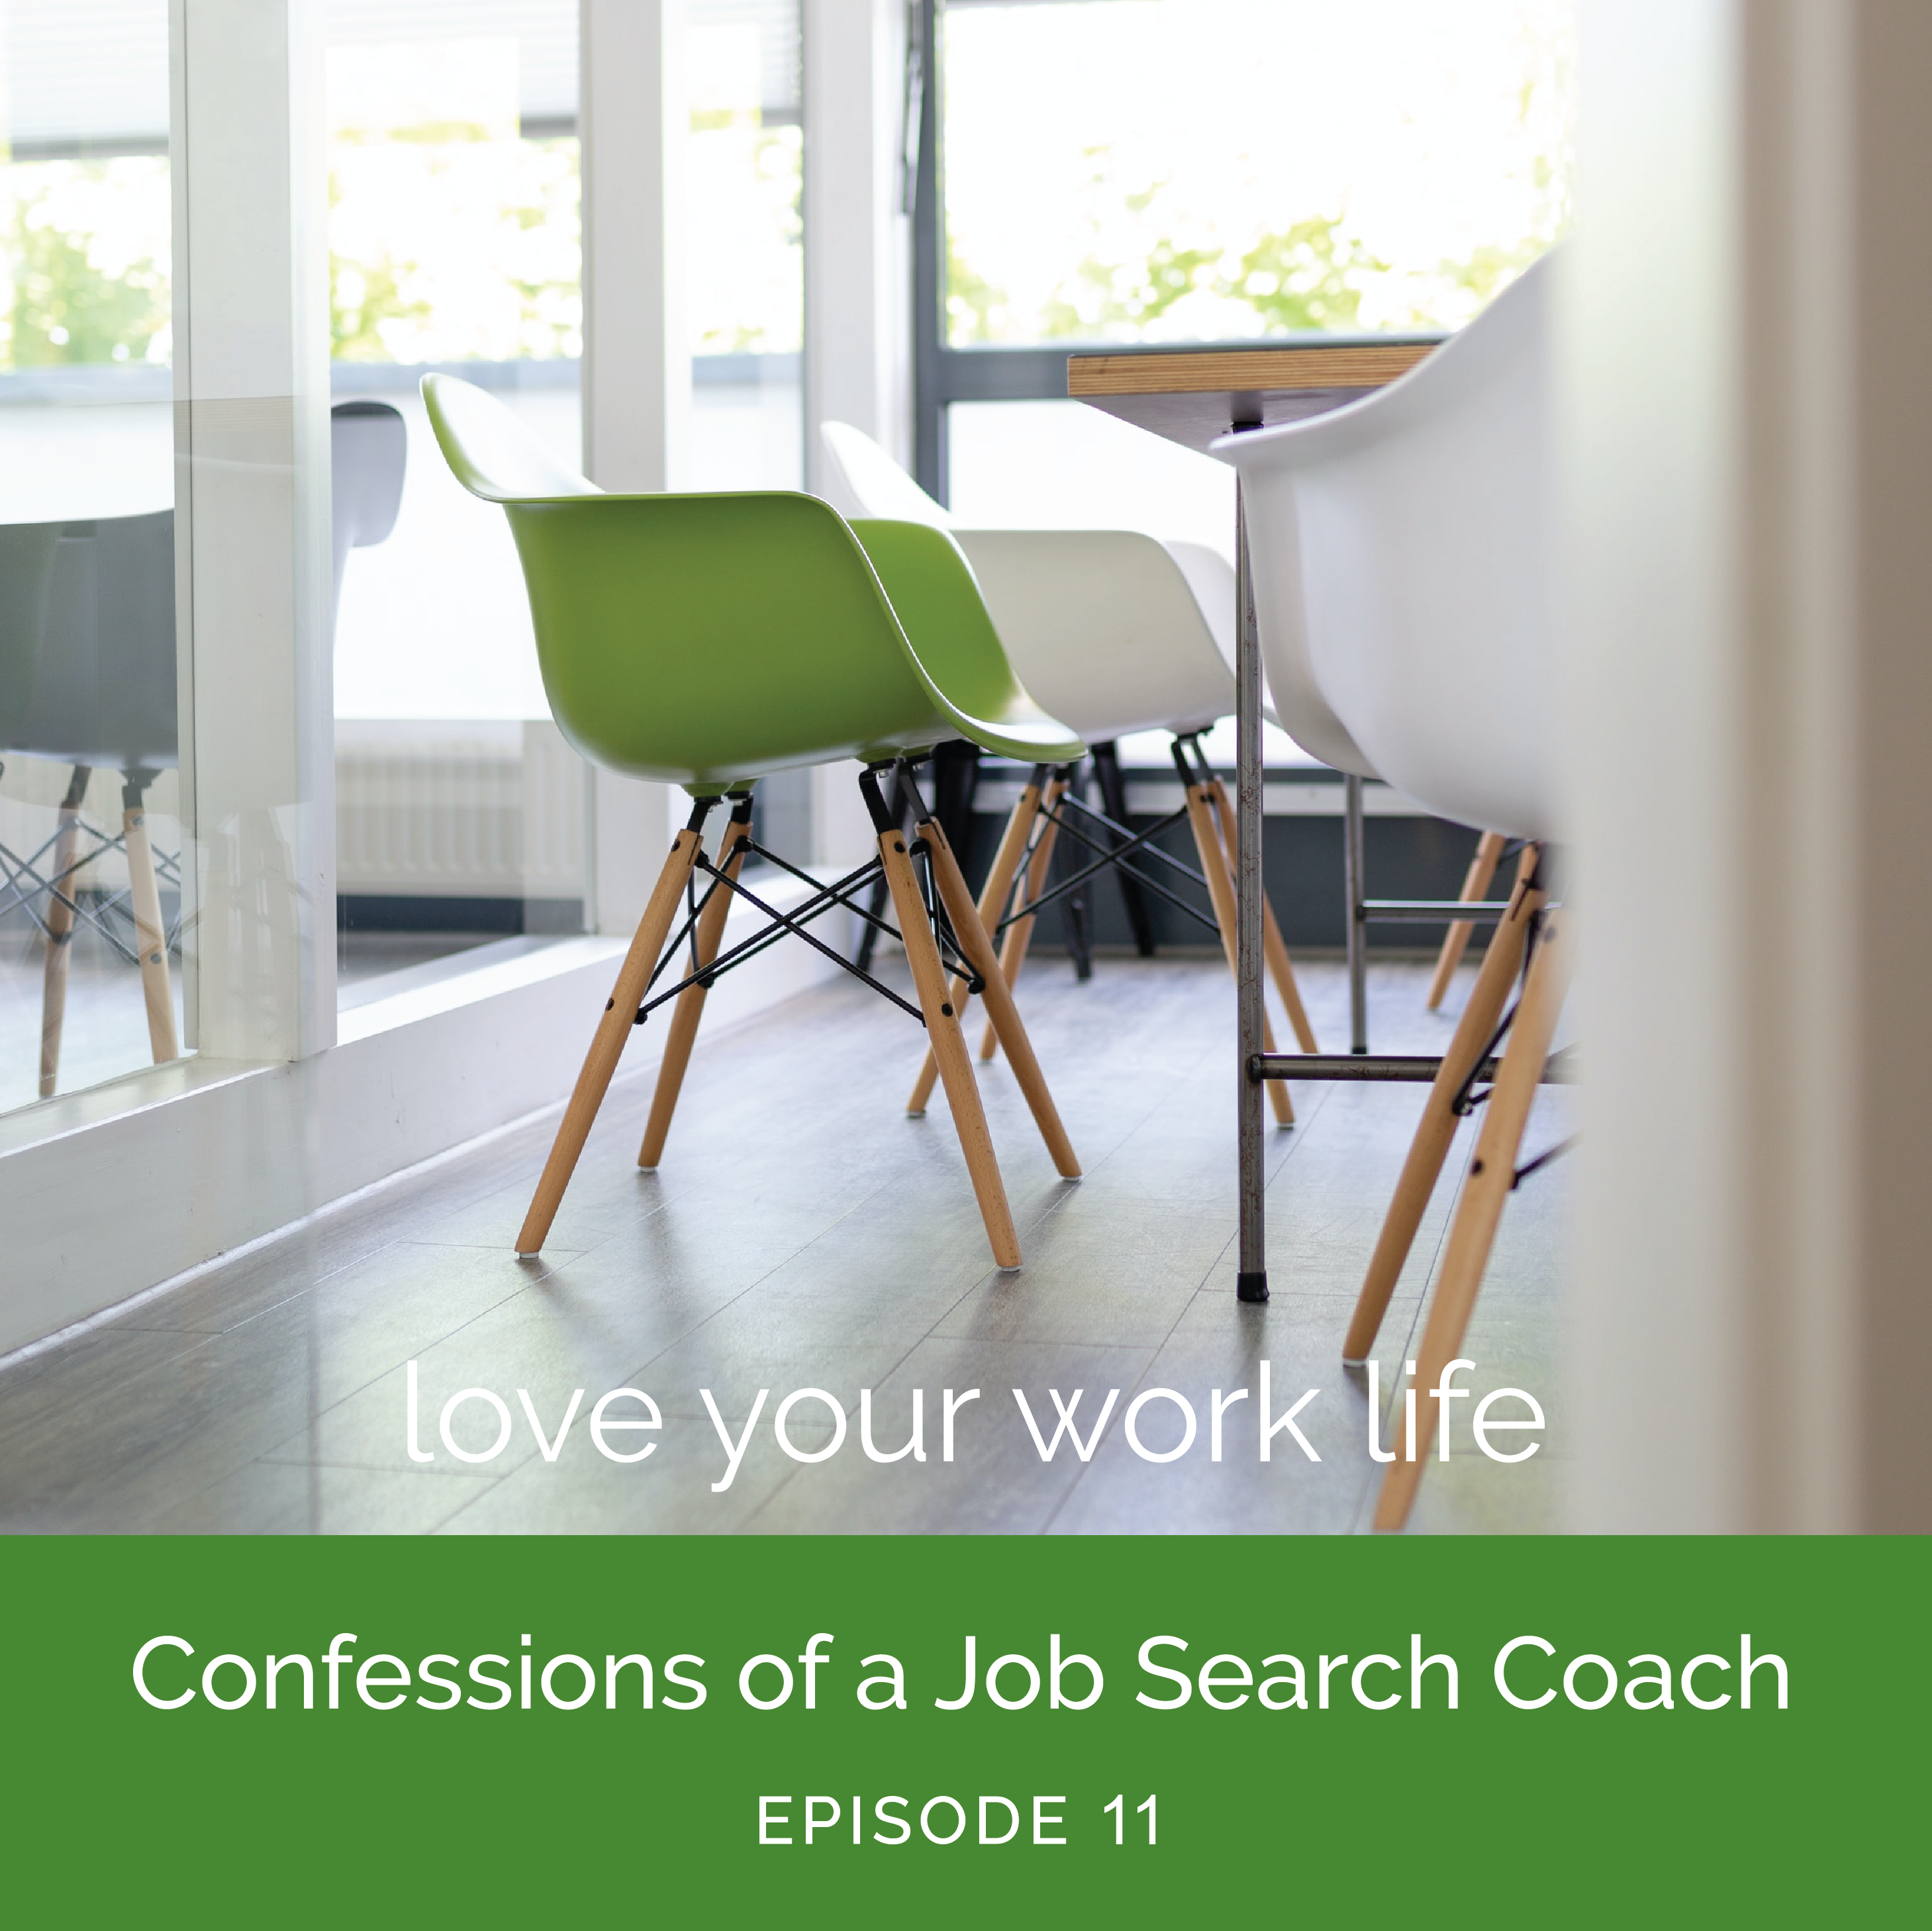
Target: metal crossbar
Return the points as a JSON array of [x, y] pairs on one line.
[[1117, 856], [1421, 1069], [1134, 838], [841, 893], [952, 952], [1462, 1104], [866, 874], [1431, 911], [820, 902], [825, 896], [695, 907]]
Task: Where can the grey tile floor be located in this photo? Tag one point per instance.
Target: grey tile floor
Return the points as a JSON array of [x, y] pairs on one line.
[[803, 1233]]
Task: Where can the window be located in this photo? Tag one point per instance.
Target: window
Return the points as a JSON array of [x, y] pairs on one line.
[[1131, 172], [746, 241], [1202, 170]]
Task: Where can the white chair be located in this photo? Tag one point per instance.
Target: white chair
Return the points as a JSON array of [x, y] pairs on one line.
[[1135, 634], [1402, 550], [1129, 634]]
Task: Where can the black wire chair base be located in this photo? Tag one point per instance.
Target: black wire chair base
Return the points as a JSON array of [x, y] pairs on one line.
[[23, 885], [1542, 1160], [824, 898], [1115, 856]]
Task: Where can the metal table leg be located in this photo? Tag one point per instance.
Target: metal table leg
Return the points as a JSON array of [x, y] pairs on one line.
[[1251, 1281], [1355, 879]]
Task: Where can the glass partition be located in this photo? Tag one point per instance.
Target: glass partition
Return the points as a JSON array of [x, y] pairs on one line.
[[90, 838], [455, 244]]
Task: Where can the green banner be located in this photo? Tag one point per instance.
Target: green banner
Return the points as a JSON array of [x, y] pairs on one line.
[[1171, 1732]]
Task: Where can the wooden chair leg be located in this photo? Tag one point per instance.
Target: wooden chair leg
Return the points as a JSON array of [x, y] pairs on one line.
[[1221, 890], [1281, 968], [992, 903], [1492, 1176], [60, 931], [1475, 883], [1004, 1014], [613, 1029], [689, 1010], [1436, 1129], [151, 934], [1019, 933], [949, 1046]]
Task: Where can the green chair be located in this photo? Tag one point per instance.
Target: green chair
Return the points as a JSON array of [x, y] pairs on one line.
[[709, 640]]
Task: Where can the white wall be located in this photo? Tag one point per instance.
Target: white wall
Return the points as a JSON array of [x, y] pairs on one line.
[[1752, 596]]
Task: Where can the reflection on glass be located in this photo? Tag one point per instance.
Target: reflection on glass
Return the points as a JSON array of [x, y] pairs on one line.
[[454, 243], [1203, 170], [90, 841], [746, 275]]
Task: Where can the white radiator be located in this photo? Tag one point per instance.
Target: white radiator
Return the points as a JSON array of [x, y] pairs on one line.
[[458, 810]]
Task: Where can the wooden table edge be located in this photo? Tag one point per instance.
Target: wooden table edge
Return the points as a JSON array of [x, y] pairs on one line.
[[1200, 371]]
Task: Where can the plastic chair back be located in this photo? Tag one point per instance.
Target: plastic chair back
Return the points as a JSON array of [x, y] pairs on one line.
[[494, 454], [705, 640], [1104, 628], [952, 641], [1113, 631], [867, 482], [1404, 558]]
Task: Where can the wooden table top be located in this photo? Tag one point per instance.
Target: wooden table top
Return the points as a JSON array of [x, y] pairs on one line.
[[1191, 395]]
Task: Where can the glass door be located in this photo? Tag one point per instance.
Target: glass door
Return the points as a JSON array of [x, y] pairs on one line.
[[90, 836]]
